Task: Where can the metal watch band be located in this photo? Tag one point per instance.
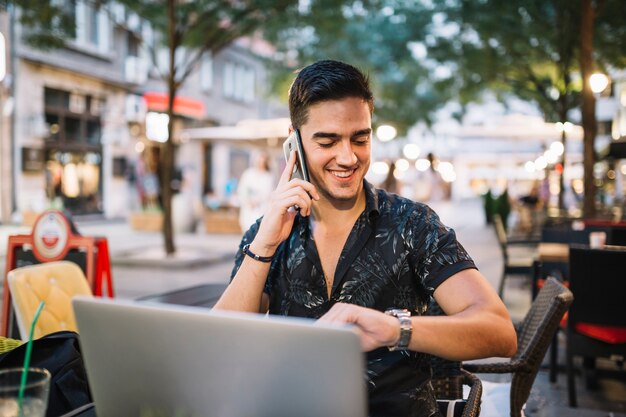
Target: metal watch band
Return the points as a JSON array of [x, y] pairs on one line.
[[406, 328], [247, 251]]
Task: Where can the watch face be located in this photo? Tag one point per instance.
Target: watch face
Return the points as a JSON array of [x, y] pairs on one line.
[[406, 327]]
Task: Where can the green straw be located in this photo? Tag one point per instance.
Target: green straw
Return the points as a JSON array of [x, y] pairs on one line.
[[29, 348]]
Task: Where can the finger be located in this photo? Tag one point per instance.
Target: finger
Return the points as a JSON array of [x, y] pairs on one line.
[[304, 202], [306, 185], [286, 175]]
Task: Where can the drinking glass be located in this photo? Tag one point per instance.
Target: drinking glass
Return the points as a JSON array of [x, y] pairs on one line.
[[35, 399]]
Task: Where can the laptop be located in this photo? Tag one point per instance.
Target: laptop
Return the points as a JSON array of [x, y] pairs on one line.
[[149, 359]]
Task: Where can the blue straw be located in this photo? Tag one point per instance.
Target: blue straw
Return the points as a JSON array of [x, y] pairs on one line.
[[29, 348]]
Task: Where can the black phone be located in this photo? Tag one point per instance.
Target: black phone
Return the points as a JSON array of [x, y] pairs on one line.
[[293, 143]]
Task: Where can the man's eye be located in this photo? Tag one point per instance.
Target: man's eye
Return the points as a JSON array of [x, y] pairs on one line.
[[361, 141], [325, 144]]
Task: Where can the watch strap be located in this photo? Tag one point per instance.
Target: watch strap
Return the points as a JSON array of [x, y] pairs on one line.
[[406, 328]]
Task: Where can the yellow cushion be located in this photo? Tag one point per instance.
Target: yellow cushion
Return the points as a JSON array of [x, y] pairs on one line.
[[53, 282]]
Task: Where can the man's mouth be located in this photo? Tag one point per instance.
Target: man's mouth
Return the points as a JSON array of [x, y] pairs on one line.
[[343, 174]]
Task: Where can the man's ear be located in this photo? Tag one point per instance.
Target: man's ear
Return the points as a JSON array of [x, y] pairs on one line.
[[291, 129]]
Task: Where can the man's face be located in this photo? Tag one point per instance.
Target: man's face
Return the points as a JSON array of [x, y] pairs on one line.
[[337, 144]]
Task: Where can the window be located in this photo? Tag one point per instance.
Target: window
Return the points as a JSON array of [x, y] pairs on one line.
[[133, 45], [206, 72], [73, 117], [229, 80], [74, 150], [239, 82], [93, 26]]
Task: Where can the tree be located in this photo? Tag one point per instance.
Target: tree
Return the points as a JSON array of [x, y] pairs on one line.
[[195, 28], [378, 36], [530, 48]]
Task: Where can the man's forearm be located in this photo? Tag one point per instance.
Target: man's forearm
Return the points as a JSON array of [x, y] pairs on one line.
[[245, 292], [464, 336]]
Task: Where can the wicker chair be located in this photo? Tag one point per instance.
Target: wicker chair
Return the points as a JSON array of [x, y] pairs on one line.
[[448, 380], [534, 335]]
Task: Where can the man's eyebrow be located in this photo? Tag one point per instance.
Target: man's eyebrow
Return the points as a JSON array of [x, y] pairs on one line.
[[329, 135]]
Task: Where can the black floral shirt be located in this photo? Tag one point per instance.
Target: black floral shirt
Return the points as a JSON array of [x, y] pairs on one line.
[[397, 253]]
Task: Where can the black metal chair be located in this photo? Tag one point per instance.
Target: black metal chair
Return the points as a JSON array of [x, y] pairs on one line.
[[534, 335], [512, 265], [596, 324]]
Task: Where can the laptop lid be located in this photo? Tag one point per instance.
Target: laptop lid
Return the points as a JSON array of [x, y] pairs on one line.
[[145, 359]]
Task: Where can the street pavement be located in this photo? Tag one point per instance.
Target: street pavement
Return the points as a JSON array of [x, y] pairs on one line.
[[140, 268]]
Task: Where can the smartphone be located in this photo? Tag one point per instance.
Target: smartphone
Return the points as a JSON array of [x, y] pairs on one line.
[[293, 143]]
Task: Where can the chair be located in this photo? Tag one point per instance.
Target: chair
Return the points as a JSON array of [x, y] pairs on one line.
[[448, 381], [512, 265], [534, 335], [596, 323], [53, 282]]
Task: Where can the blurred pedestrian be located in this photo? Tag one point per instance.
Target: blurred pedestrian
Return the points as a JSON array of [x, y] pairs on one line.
[[436, 186], [390, 184], [255, 186]]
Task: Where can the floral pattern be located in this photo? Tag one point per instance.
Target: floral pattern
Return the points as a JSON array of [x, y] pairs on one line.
[[397, 253]]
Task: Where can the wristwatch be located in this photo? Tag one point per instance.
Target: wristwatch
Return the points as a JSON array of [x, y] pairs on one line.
[[406, 327]]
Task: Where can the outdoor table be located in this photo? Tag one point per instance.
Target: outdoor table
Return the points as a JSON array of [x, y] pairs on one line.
[[553, 252]]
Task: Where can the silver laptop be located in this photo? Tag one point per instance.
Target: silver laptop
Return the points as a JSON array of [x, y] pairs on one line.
[[159, 360]]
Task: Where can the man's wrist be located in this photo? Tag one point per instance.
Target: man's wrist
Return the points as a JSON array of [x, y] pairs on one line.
[[262, 250], [405, 328]]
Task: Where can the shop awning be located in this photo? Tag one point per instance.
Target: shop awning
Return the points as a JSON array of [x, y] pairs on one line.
[[183, 106], [246, 130]]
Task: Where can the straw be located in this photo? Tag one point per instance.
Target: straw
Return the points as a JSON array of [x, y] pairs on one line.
[[29, 348]]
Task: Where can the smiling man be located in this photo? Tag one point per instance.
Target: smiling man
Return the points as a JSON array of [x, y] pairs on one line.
[[360, 255]]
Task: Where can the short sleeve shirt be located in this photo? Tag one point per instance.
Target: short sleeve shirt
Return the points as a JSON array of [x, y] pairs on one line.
[[397, 253]]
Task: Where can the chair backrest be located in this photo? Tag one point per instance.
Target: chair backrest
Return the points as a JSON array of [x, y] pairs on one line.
[[448, 379], [598, 281], [501, 234], [541, 322], [53, 282], [535, 335]]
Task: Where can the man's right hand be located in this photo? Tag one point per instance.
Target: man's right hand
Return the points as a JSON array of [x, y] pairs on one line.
[[280, 213]]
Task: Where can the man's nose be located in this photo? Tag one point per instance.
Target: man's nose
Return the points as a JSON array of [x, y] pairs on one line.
[[345, 155]]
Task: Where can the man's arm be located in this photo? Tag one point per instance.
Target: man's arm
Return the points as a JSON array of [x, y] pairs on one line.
[[245, 292], [477, 324]]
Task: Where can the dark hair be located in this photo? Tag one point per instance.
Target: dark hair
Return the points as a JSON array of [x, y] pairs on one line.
[[323, 81]]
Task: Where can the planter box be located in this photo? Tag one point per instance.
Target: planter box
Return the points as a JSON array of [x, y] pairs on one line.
[[148, 221], [222, 220]]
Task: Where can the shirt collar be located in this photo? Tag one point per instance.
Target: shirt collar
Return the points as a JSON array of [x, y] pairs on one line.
[[371, 200]]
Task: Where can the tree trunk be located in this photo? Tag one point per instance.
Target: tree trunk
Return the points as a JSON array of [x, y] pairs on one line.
[[562, 207], [167, 156], [588, 105]]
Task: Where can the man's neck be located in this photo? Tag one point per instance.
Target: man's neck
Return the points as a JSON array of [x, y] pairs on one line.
[[338, 215]]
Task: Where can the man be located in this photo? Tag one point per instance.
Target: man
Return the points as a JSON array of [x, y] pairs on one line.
[[352, 252]]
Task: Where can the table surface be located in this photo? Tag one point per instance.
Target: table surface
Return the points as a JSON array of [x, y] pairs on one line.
[[553, 252], [205, 295]]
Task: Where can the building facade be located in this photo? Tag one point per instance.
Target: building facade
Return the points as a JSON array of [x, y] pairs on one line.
[[87, 119]]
